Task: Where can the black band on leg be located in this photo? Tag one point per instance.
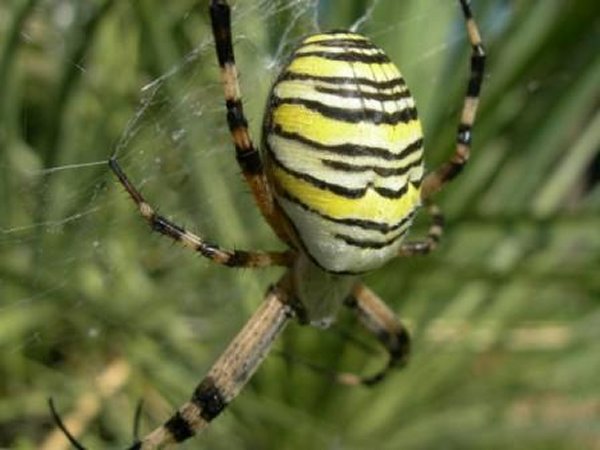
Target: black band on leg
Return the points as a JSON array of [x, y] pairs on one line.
[[179, 428], [209, 399], [220, 15]]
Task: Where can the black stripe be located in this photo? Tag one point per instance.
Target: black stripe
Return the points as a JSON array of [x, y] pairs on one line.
[[350, 115], [381, 171], [397, 343], [165, 226], [474, 85], [382, 227], [298, 307], [452, 169], [220, 16], [391, 193], [357, 93], [351, 302], [340, 43], [239, 258], [464, 135], [179, 428], [235, 258], [348, 56], [247, 157], [310, 255], [235, 115], [209, 398], [349, 149], [435, 237], [438, 220], [478, 59], [249, 160], [340, 31], [466, 9], [320, 184], [336, 188], [208, 250], [477, 70], [340, 81], [370, 243]]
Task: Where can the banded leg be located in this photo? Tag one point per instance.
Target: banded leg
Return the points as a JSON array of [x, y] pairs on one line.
[[380, 320], [430, 243], [246, 153], [435, 180], [228, 375], [231, 258]]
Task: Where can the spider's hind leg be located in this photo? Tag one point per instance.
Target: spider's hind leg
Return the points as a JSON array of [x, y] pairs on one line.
[[380, 320], [228, 375]]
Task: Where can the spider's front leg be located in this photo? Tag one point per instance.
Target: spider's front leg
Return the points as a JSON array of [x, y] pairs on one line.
[[229, 374], [247, 155], [438, 178]]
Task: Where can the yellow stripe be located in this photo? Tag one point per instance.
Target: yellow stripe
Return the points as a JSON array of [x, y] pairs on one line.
[[301, 86], [333, 36], [316, 66], [316, 47], [328, 131], [300, 156], [371, 207], [290, 89]]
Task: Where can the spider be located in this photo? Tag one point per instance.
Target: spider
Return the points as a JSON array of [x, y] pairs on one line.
[[339, 178]]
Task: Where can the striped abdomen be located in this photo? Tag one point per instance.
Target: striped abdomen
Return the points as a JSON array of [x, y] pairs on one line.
[[343, 146]]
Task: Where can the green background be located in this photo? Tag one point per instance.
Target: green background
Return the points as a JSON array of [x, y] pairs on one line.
[[505, 315]]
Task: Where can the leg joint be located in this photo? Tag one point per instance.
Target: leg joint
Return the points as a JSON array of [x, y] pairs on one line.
[[398, 346]]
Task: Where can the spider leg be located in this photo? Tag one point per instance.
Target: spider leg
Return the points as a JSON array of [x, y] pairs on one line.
[[246, 153], [435, 180], [228, 375], [62, 427], [380, 320], [231, 258], [430, 243]]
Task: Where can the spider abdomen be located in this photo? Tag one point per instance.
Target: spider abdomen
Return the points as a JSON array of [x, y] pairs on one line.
[[343, 147]]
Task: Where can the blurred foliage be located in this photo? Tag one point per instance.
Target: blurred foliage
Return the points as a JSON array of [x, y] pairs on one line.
[[99, 313]]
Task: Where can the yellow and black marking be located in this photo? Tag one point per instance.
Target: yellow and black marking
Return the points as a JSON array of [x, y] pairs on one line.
[[344, 151], [207, 399]]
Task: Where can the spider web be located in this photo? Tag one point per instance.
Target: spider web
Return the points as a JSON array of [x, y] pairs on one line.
[[81, 269], [173, 143], [95, 308]]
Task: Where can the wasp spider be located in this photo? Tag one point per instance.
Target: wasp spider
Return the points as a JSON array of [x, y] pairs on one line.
[[339, 179]]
